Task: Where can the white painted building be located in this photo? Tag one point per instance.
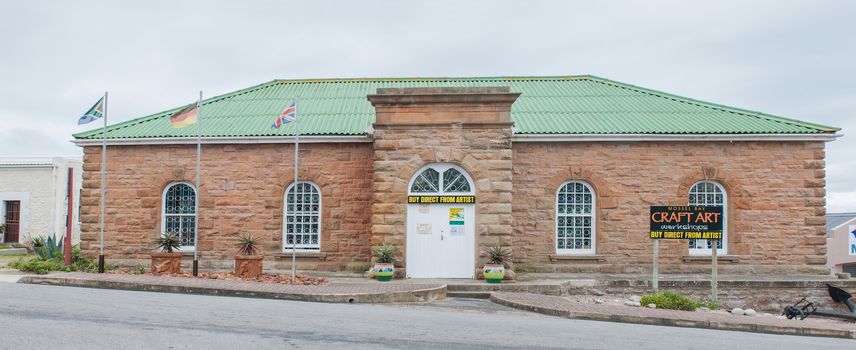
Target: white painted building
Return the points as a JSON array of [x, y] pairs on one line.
[[33, 197]]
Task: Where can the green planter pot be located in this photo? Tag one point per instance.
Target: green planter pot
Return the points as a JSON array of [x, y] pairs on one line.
[[494, 273], [383, 272]]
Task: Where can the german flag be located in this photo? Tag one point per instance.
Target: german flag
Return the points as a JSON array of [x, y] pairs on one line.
[[186, 116]]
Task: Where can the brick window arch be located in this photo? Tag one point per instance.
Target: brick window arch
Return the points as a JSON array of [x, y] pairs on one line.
[[575, 218]]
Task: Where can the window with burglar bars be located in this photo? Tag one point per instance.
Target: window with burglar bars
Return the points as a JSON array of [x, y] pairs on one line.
[[179, 212], [575, 220], [302, 217], [709, 193]]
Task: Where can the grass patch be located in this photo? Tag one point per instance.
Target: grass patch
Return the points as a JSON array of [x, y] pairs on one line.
[[675, 301], [523, 268]]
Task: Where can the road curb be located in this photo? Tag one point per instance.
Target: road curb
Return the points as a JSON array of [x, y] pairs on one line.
[[409, 296], [662, 321]]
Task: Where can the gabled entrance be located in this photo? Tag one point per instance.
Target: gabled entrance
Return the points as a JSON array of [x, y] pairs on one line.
[[441, 236]]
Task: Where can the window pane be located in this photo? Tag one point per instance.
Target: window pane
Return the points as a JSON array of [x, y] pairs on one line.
[[574, 210], [303, 207]]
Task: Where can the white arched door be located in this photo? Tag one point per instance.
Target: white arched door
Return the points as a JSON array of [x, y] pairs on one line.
[[441, 235]]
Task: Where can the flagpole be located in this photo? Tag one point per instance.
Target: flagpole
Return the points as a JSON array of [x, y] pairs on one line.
[[198, 189], [103, 184], [294, 222]]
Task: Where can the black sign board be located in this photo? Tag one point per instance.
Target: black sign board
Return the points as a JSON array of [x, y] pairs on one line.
[[441, 199], [687, 222]]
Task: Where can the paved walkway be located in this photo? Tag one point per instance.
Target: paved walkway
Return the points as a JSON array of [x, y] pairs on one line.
[[366, 292], [560, 306]]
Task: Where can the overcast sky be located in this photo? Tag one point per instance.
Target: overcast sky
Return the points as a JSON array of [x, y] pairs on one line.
[[788, 58]]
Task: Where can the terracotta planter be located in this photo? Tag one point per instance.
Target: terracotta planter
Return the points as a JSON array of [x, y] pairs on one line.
[[383, 272], [494, 273], [166, 263], [249, 266]]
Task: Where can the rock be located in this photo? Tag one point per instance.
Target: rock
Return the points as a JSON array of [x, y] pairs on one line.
[[635, 298], [767, 314], [703, 309], [749, 312], [598, 301], [631, 303], [597, 292], [652, 306], [737, 311]]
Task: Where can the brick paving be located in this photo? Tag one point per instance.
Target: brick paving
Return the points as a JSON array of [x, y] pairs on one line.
[[369, 291], [560, 306]]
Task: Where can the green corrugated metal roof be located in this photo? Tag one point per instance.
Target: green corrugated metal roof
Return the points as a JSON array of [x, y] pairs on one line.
[[547, 105]]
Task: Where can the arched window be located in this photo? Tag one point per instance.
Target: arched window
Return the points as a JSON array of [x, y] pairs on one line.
[[441, 178], [302, 219], [709, 193], [179, 212], [575, 218]]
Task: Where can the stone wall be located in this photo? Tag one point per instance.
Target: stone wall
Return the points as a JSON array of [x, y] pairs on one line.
[[775, 193], [467, 127], [242, 192]]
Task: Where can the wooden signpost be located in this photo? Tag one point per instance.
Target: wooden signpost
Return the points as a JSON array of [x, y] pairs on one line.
[[686, 222]]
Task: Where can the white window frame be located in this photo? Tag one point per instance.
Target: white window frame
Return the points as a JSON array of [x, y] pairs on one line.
[[183, 248], [592, 215], [724, 249], [302, 247], [441, 169]]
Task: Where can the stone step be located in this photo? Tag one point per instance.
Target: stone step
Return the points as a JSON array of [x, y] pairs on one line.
[[13, 251], [469, 295]]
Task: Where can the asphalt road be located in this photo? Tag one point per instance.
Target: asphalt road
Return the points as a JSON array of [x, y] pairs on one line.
[[47, 317]]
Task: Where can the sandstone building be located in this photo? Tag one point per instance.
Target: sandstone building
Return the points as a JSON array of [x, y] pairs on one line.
[[562, 170]]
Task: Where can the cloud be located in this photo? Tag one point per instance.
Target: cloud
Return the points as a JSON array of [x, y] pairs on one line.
[[789, 58]]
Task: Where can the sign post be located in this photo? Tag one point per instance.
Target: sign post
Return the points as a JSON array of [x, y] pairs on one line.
[[656, 279], [686, 222]]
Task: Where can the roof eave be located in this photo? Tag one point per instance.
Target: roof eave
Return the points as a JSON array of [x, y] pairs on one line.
[[222, 140], [825, 137]]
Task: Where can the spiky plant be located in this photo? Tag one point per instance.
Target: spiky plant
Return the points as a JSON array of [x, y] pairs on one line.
[[497, 255], [47, 248], [168, 242], [385, 254], [248, 245]]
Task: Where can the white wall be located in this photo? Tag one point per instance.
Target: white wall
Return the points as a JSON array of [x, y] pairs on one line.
[[40, 185]]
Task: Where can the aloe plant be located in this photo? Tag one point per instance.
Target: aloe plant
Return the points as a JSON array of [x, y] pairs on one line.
[[168, 242], [385, 254], [47, 248], [248, 245], [497, 255]]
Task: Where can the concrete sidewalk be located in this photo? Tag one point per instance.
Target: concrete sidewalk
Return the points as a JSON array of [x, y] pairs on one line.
[[562, 307], [366, 292]]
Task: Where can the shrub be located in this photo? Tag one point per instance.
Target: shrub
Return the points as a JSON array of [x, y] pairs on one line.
[[524, 268], [37, 265], [674, 301], [43, 266]]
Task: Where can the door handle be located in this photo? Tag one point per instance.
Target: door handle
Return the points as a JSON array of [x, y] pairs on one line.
[[441, 237]]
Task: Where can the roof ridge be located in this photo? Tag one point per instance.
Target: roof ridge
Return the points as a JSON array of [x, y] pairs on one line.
[[160, 114], [706, 104], [531, 77]]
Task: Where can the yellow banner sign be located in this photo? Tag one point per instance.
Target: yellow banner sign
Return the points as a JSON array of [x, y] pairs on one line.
[[441, 199]]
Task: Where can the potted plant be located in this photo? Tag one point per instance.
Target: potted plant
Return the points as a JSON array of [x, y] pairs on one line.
[[248, 261], [494, 270], [383, 268], [168, 260]]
